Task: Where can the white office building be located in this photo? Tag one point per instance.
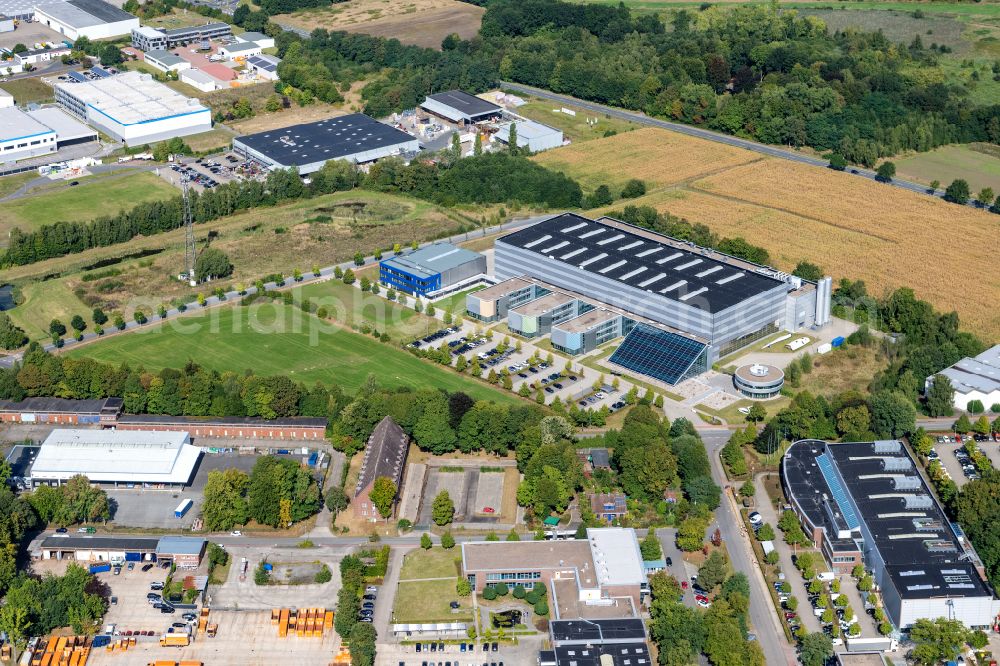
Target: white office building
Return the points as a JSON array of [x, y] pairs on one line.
[[976, 378], [134, 109], [536, 137], [165, 61], [22, 136]]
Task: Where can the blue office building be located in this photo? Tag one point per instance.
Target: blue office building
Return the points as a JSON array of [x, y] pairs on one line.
[[431, 268]]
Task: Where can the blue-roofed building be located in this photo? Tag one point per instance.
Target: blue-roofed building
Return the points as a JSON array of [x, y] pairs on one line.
[[866, 503], [431, 268], [185, 552]]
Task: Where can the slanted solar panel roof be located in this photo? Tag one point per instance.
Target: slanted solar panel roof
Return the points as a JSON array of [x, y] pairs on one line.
[[698, 277], [656, 353]]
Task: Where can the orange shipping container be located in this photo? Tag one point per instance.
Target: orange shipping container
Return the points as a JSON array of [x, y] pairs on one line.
[[190, 663]]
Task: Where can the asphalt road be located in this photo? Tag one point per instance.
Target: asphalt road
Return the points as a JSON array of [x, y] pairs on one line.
[[762, 613], [772, 151]]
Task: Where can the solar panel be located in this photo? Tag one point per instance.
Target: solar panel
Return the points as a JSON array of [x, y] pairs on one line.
[[837, 490], [656, 353]]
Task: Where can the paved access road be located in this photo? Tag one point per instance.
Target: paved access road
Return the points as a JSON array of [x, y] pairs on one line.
[[718, 137]]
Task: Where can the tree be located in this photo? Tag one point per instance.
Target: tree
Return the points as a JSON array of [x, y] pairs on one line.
[[892, 413], [383, 495], [837, 162], [57, 328], [938, 640], [816, 649], [513, 535], [425, 541], [512, 139], [748, 489], [336, 500], [765, 533], [957, 192], [11, 336], [111, 55], [885, 172], [348, 277], [713, 571], [447, 541], [962, 425], [443, 509], [940, 397], [15, 623], [985, 197], [362, 644], [212, 263], [650, 546], [757, 413], [224, 505], [77, 323]]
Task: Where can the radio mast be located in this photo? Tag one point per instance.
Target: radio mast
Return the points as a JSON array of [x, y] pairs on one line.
[[189, 248]]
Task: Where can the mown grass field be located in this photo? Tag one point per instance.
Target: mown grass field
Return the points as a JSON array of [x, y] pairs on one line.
[[272, 338], [43, 302], [86, 201], [851, 227], [433, 563], [979, 164], [29, 90]]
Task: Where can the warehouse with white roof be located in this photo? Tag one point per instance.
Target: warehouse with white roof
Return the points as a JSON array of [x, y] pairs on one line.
[[976, 378], [116, 456], [93, 19], [22, 136], [133, 108]]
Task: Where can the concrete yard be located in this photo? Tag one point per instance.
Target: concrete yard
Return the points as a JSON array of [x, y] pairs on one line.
[[243, 595], [471, 490], [245, 638]]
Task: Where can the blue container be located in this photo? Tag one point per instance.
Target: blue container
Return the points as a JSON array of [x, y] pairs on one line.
[[133, 557], [837, 341], [268, 566], [98, 568], [313, 458], [283, 452], [100, 641]]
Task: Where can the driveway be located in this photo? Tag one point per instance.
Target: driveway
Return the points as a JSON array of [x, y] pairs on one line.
[[792, 576]]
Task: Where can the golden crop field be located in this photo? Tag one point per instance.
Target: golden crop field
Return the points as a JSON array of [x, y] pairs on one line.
[[853, 228], [653, 155]]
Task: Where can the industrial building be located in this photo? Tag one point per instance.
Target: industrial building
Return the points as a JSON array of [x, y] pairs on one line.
[[185, 552], [303, 428], [264, 66], [93, 19], [165, 61], [154, 459], [22, 136], [385, 457], [101, 411], [867, 503], [258, 38], [536, 137], [431, 268], [976, 378], [44, 54], [133, 108], [200, 80], [240, 50], [680, 307], [598, 642], [758, 381], [600, 576], [6, 99], [6, 24], [354, 137], [458, 106], [146, 38]]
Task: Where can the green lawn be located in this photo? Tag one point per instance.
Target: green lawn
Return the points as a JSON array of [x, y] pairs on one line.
[[43, 302], [428, 601], [272, 338], [29, 90], [945, 164], [433, 563], [455, 303], [89, 199], [353, 307]]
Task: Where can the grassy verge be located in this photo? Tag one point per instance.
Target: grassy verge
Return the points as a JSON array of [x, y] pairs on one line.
[[428, 601], [433, 563]]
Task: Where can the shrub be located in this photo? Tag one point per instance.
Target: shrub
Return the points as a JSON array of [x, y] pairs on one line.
[[324, 575], [541, 608], [489, 594]]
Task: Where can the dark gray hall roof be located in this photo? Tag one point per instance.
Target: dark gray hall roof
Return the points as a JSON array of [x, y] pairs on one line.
[[664, 266]]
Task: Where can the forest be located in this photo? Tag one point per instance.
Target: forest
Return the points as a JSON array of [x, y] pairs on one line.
[[754, 71]]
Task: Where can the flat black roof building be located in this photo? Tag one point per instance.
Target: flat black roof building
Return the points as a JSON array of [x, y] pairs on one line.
[[645, 260], [70, 542], [620, 642], [566, 632], [308, 146], [61, 406], [164, 419], [458, 106], [102, 10], [869, 496]]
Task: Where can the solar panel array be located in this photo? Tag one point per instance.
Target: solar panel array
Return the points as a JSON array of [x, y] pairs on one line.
[[696, 276], [659, 354], [838, 490]]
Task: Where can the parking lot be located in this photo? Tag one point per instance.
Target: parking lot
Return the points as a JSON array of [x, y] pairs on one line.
[[140, 507], [525, 652], [570, 387], [472, 491], [955, 459], [29, 34], [245, 638]]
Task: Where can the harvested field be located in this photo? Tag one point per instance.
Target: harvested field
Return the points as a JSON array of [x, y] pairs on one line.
[[656, 156], [977, 163], [420, 22], [853, 228], [861, 229]]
